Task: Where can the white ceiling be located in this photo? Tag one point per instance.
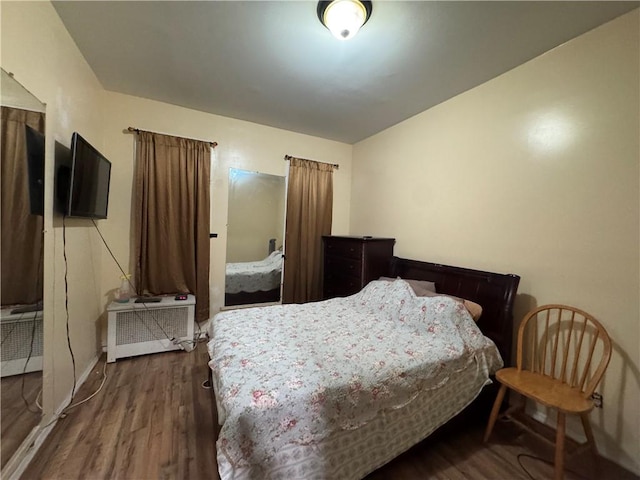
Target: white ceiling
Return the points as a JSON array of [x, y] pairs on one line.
[[272, 62]]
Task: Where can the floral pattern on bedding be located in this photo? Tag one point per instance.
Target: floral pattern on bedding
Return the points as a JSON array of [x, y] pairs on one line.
[[292, 374], [262, 275]]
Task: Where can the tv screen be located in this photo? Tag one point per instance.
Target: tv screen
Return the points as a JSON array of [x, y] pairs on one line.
[[35, 169], [89, 182]]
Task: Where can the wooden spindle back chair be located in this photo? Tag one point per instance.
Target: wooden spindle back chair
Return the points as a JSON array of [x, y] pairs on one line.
[[562, 354]]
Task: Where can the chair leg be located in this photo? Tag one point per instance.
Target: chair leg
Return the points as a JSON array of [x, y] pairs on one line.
[[494, 412], [559, 460], [586, 424], [588, 431]]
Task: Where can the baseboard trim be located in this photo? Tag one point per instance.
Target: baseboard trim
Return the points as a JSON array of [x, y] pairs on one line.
[[571, 430], [21, 459], [575, 433]]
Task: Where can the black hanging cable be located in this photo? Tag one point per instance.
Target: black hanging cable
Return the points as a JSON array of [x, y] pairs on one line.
[[66, 289], [8, 335], [540, 459], [112, 255], [33, 333], [26, 363], [70, 405], [66, 305], [14, 325], [126, 276]]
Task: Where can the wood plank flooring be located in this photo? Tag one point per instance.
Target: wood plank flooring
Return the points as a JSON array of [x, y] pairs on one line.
[[153, 420], [18, 419]]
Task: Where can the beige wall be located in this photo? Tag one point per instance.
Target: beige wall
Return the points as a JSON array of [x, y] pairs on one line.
[[241, 144], [36, 47], [38, 50], [536, 173]]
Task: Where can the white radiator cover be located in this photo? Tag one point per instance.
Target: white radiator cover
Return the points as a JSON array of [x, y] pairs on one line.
[[21, 335], [142, 328]]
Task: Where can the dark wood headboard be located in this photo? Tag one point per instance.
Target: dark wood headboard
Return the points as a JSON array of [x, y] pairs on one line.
[[495, 292]]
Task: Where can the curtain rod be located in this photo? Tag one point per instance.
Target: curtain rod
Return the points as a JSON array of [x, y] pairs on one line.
[[138, 130], [334, 165]]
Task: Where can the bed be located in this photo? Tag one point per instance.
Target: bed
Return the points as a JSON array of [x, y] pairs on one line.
[[336, 389], [254, 282]]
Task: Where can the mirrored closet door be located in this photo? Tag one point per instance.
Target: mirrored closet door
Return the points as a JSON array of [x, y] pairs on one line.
[[255, 230], [22, 209]]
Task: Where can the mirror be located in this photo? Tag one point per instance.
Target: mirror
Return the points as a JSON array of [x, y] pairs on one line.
[[255, 230], [22, 210]]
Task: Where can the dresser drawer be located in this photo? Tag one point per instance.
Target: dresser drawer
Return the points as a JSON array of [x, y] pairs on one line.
[[342, 279], [352, 262], [344, 248], [341, 286], [334, 264]]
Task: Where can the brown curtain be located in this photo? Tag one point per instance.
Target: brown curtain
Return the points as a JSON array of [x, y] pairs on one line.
[[172, 217], [309, 209], [21, 243]]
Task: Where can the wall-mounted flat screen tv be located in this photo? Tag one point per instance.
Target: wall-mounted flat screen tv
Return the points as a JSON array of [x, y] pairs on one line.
[[89, 182], [35, 170]]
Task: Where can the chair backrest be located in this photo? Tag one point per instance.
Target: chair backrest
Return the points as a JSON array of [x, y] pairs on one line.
[[564, 343]]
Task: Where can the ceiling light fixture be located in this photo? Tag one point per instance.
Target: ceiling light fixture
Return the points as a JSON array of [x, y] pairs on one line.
[[344, 18]]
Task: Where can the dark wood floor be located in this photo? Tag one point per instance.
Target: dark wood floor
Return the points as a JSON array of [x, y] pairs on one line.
[[511, 453], [18, 418], [154, 420]]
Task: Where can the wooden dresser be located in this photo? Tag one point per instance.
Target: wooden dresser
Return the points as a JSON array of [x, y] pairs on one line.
[[352, 262]]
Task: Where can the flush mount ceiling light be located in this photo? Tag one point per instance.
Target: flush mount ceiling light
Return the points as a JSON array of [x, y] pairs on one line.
[[344, 18]]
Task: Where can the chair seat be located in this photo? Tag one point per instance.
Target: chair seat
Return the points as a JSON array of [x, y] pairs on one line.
[[546, 390]]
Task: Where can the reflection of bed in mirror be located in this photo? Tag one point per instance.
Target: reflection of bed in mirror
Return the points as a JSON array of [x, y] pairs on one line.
[[254, 282], [255, 230]]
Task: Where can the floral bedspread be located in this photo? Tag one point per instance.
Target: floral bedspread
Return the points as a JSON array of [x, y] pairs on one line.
[[292, 374], [262, 275]]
